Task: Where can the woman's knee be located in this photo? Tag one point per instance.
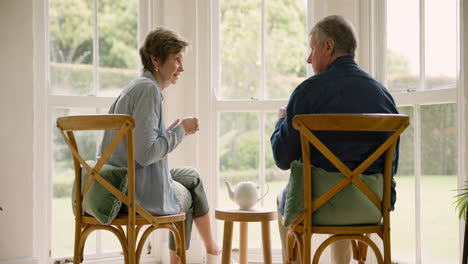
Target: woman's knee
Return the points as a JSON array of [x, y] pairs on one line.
[[184, 196], [189, 177]]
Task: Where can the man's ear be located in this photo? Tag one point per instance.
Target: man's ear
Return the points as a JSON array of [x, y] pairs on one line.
[[329, 46]]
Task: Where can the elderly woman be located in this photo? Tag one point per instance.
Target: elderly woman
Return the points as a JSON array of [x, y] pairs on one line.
[[157, 186]]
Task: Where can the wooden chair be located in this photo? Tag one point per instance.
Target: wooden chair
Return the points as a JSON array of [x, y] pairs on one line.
[[137, 217], [299, 234]]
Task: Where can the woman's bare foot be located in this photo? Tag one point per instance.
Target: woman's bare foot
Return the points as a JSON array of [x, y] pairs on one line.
[[203, 225]]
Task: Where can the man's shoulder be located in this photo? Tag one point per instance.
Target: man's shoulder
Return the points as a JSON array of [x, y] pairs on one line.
[[309, 83]]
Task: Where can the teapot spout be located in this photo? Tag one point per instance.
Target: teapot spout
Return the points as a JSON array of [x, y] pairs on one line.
[[230, 191]]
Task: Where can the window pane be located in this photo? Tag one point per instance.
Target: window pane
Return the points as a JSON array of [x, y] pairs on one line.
[[238, 159], [286, 46], [438, 184], [441, 47], [63, 176], [402, 45], [238, 148], [403, 217], [71, 47], [240, 49], [118, 45]]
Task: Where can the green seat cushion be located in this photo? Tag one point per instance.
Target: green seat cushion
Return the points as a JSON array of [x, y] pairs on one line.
[[349, 207], [98, 201]]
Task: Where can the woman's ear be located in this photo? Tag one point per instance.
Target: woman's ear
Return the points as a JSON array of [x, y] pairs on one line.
[[155, 63]]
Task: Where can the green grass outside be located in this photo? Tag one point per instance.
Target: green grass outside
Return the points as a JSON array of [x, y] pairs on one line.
[[439, 225]]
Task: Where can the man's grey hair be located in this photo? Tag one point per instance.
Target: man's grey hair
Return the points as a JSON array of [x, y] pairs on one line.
[[340, 30]]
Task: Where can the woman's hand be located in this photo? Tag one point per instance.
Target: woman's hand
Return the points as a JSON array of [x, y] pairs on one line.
[[175, 123], [190, 125]]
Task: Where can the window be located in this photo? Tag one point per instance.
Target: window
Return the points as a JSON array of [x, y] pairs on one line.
[[252, 79], [421, 73], [92, 55], [261, 59]]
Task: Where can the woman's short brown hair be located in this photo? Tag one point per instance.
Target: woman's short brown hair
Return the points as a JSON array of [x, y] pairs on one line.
[[160, 43]]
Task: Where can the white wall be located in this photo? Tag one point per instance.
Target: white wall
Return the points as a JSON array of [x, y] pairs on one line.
[[180, 100], [16, 133]]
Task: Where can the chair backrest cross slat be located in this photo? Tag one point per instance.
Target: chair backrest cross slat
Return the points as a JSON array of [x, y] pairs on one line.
[[301, 230], [347, 122], [94, 172], [85, 224]]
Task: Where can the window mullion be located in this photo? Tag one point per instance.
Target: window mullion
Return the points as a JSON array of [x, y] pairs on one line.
[[95, 87], [95, 49], [417, 179], [378, 40], [422, 46], [262, 52], [216, 47], [417, 127], [261, 145], [309, 24], [261, 152]]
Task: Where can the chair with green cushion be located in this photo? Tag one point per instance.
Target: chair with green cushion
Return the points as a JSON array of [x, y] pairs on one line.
[[101, 189], [367, 195]]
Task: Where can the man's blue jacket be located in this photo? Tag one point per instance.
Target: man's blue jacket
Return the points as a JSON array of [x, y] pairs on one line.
[[342, 88]]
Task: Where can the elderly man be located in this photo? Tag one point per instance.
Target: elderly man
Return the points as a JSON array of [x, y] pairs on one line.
[[338, 86]]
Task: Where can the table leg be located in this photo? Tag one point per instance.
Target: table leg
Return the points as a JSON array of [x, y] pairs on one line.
[[243, 250], [266, 242], [227, 243]]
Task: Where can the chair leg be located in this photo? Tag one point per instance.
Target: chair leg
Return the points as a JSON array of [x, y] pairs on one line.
[[306, 237], [364, 251], [181, 246], [77, 258], [131, 242], [83, 236], [289, 247], [386, 244], [354, 248], [296, 257], [359, 251]]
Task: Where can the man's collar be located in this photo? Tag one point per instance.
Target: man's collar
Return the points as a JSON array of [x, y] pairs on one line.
[[342, 60]]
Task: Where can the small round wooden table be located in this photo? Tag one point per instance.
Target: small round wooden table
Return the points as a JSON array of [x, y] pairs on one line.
[[243, 217]]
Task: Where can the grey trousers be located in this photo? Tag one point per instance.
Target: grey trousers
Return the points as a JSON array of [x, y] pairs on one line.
[[189, 190], [340, 251]]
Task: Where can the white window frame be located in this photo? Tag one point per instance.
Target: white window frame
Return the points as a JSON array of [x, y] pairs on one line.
[[374, 61], [149, 16], [418, 98], [260, 106]]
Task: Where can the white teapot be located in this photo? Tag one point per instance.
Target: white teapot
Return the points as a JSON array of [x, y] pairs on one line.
[[245, 194]]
